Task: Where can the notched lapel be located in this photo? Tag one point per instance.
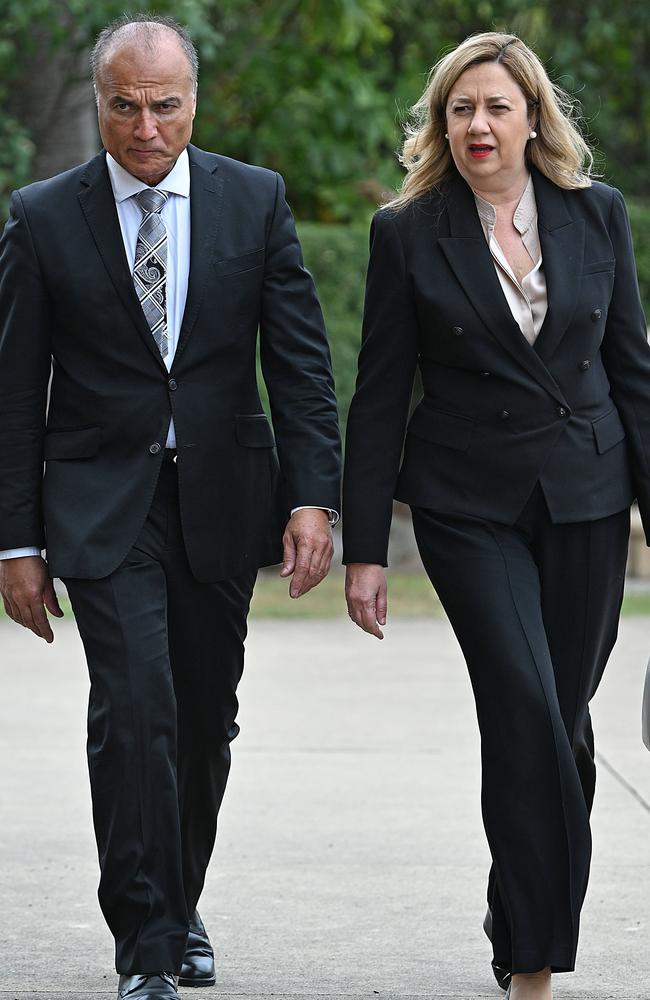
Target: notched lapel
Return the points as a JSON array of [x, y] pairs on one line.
[[562, 257], [206, 203], [98, 206], [562, 240], [470, 259]]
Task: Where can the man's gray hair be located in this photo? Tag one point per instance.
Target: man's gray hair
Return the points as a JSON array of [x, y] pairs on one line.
[[146, 27]]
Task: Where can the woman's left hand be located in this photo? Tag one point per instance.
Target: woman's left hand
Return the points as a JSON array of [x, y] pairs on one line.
[[366, 592]]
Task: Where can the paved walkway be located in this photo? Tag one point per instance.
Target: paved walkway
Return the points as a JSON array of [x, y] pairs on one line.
[[351, 860]]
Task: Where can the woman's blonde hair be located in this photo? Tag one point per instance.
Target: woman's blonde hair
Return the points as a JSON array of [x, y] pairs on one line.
[[559, 150]]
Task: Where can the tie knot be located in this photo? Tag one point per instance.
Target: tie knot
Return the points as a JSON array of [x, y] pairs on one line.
[[151, 199]]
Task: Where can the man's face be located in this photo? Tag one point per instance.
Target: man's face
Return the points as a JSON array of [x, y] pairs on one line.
[[146, 104]]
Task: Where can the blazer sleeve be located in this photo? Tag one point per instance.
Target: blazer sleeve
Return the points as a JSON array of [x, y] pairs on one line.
[[626, 356], [297, 369], [25, 364], [380, 406]]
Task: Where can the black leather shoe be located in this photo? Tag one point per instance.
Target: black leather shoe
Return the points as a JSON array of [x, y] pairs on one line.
[[198, 963], [502, 976], [151, 986]]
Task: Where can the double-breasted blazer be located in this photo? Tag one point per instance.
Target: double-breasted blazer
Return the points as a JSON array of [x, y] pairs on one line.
[[498, 415], [68, 306]]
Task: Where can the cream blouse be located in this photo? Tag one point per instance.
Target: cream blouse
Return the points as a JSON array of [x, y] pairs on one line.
[[527, 300]]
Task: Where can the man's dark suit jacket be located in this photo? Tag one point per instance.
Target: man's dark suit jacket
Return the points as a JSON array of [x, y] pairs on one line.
[[497, 415], [67, 298]]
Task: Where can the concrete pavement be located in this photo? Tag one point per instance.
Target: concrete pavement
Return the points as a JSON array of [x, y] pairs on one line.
[[351, 860]]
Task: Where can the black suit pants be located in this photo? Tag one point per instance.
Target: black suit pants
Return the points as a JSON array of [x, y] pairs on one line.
[[165, 654], [535, 608]]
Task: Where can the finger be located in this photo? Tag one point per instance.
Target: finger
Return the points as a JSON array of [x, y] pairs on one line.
[[40, 623], [12, 611], [382, 604], [289, 554], [370, 624], [301, 572], [16, 613], [363, 614], [51, 601]]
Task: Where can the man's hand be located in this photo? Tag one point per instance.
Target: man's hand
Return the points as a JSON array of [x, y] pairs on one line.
[[366, 592], [308, 549], [27, 590]]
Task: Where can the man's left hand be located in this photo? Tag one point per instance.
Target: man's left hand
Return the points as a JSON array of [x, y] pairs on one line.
[[308, 549]]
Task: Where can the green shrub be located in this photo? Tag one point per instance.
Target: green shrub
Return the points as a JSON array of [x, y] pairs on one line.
[[337, 257], [640, 220]]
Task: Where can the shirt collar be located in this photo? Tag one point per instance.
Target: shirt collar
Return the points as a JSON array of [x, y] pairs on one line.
[[125, 185], [525, 212]]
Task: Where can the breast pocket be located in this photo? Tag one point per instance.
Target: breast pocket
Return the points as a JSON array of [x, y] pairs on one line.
[[596, 266], [238, 265]]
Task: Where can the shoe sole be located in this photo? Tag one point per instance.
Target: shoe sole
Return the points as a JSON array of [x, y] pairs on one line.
[[198, 982]]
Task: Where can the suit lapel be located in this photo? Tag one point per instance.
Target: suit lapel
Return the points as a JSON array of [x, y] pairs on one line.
[[98, 206], [206, 202], [562, 241], [469, 257]]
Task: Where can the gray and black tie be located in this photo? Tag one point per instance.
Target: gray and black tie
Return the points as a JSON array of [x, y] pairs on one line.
[[150, 269]]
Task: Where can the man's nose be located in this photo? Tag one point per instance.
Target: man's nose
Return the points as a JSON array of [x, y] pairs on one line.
[[146, 127]]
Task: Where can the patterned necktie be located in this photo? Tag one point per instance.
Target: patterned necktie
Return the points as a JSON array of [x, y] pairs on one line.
[[150, 269]]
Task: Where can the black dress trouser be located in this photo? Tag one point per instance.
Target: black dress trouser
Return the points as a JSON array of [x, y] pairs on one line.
[[535, 608], [165, 654]]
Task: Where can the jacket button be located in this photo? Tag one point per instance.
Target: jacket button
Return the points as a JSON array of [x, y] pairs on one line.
[[504, 415], [173, 384], [457, 331], [585, 366], [485, 374], [596, 314], [561, 412], [154, 448]]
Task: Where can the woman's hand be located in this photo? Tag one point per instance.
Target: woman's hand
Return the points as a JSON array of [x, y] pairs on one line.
[[366, 592]]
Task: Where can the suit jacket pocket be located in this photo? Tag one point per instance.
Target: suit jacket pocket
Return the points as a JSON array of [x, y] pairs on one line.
[[244, 262], [599, 265], [449, 429], [253, 430], [82, 442], [608, 431]]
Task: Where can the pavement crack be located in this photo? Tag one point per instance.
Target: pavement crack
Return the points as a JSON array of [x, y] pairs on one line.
[[623, 782]]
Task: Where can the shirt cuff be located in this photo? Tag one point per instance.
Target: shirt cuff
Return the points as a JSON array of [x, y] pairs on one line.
[[18, 553], [332, 514]]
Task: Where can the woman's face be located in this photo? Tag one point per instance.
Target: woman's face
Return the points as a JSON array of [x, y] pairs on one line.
[[488, 125]]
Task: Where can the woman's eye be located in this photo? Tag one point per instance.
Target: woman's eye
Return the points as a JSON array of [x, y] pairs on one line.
[[460, 109]]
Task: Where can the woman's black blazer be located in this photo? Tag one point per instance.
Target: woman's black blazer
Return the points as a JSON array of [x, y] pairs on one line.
[[497, 415]]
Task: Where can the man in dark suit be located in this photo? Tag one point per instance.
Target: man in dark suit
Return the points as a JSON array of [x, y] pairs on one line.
[[139, 280]]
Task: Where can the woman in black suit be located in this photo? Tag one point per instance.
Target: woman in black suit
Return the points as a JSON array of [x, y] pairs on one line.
[[507, 275]]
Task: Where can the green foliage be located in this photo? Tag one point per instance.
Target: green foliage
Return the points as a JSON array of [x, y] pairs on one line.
[[640, 221], [337, 257], [320, 90]]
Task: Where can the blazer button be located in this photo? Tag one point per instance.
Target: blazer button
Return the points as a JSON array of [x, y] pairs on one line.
[[561, 412], [457, 331], [154, 448], [485, 374], [585, 366], [596, 314], [173, 384], [504, 415]]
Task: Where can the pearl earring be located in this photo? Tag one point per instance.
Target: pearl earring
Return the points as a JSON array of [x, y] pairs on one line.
[[532, 134], [446, 135]]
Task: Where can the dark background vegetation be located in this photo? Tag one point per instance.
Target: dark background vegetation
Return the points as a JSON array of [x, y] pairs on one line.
[[318, 89]]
